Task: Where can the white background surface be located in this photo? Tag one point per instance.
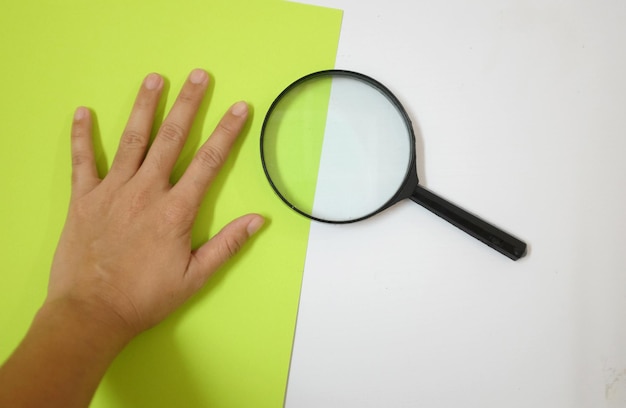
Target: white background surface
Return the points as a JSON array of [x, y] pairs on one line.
[[519, 109]]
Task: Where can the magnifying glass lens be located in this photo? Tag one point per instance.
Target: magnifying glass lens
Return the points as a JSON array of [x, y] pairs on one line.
[[336, 148]]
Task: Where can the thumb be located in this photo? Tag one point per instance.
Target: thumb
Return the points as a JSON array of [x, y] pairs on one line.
[[219, 249]]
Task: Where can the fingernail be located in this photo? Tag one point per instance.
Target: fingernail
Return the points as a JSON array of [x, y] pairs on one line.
[[80, 113], [153, 81], [239, 109], [198, 76], [255, 225]]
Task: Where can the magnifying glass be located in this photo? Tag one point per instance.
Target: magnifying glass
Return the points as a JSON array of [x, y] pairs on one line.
[[338, 147]]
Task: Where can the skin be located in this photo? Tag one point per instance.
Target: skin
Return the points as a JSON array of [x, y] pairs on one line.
[[124, 259]]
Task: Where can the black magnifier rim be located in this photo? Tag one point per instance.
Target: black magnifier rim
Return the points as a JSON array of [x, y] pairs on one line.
[[400, 194]]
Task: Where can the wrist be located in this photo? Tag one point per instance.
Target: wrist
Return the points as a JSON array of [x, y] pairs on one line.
[[63, 357], [83, 325]]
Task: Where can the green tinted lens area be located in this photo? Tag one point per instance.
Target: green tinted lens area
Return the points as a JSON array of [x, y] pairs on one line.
[[293, 138]]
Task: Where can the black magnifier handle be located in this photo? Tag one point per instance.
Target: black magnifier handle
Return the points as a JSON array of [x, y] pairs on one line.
[[479, 229]]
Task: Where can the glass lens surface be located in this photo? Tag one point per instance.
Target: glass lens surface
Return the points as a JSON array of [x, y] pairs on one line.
[[336, 148]]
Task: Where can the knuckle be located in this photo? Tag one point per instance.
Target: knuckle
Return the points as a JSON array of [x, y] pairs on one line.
[[78, 159], [227, 127], [231, 246], [187, 97], [139, 201], [177, 213], [210, 158], [172, 215], [172, 132], [78, 133], [133, 139]]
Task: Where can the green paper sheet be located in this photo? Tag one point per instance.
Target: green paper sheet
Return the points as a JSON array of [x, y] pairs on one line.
[[230, 345]]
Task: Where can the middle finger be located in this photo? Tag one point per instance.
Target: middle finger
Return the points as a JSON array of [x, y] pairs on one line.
[[172, 135]]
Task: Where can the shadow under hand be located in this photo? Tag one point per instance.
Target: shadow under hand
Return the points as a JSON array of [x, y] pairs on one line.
[[151, 372], [102, 162]]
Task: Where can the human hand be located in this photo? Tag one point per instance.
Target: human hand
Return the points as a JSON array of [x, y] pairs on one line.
[[125, 253], [124, 260]]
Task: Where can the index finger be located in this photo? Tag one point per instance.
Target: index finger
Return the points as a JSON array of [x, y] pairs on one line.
[[210, 158]]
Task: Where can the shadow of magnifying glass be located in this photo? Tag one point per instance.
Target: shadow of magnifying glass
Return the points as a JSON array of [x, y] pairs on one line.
[[338, 147]]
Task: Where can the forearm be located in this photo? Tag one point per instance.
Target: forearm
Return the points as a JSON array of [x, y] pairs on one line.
[[62, 358]]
